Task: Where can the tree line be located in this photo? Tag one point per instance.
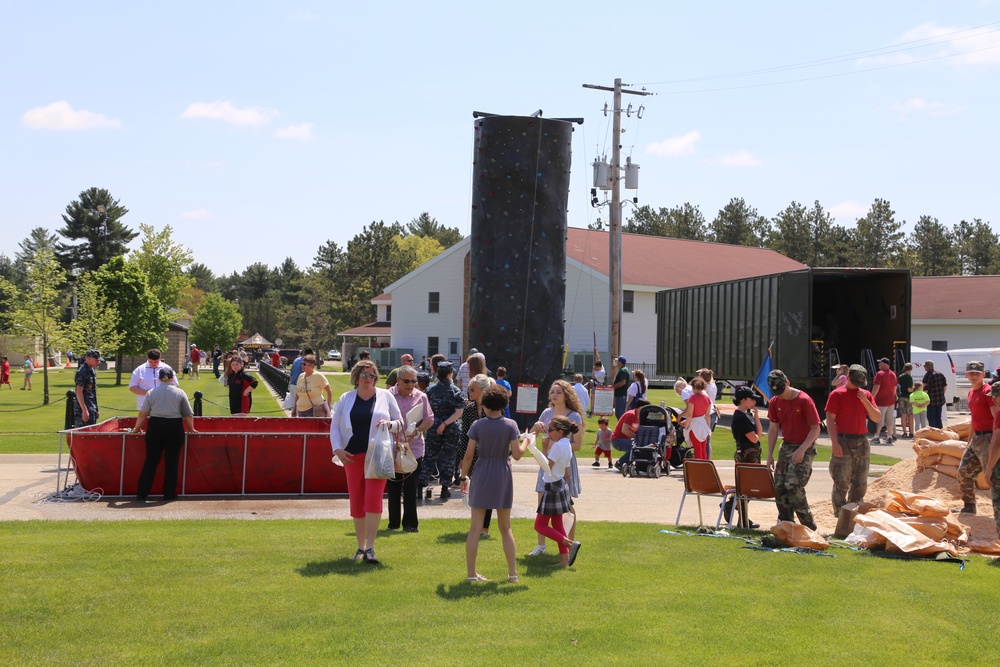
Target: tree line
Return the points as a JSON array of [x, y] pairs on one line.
[[810, 235], [81, 288]]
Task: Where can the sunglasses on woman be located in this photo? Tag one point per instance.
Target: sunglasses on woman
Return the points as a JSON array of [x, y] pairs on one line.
[[368, 376]]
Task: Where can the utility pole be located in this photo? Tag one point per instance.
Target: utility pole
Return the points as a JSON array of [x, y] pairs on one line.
[[615, 221]]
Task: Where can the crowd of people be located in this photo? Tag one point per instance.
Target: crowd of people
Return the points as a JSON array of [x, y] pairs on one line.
[[456, 423]]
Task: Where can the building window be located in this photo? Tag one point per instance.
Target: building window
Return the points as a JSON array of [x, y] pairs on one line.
[[628, 301], [434, 302], [453, 348], [388, 313], [939, 345], [432, 346]]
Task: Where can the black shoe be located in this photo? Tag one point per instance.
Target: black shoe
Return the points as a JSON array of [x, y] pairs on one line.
[[618, 464], [410, 529], [428, 494], [753, 525], [370, 557], [140, 499], [969, 508], [573, 551], [392, 527], [445, 493]]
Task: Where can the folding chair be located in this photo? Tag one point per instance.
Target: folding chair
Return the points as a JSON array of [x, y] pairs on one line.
[[753, 482], [702, 479]]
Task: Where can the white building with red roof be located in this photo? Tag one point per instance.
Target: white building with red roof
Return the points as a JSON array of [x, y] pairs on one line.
[[429, 305]]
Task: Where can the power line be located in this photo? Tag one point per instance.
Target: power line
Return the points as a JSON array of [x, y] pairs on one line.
[[820, 62]]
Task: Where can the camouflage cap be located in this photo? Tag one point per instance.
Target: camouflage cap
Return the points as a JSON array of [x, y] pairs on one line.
[[995, 389], [975, 367], [858, 375], [777, 381]]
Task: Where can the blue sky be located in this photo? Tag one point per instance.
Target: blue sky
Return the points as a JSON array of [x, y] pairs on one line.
[[259, 130]]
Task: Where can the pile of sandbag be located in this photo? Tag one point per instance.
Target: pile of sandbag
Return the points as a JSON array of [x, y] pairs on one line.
[[915, 524], [942, 449]]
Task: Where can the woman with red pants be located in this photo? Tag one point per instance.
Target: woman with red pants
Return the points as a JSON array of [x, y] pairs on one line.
[[697, 419], [355, 421]]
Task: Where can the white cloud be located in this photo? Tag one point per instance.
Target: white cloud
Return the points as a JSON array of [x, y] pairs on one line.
[[740, 159], [227, 113], [676, 146], [61, 116], [197, 214], [848, 209], [920, 105], [300, 131], [958, 46]]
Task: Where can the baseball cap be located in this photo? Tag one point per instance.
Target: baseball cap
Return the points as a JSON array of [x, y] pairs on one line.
[[623, 360], [975, 367], [884, 360], [742, 393], [858, 375], [166, 374]]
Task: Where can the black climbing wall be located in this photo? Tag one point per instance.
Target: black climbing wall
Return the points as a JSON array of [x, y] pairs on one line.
[[517, 262]]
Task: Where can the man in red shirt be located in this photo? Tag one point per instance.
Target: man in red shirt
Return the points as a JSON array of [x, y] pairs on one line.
[[793, 413], [847, 410], [980, 435], [195, 358], [884, 392], [624, 431], [992, 470]]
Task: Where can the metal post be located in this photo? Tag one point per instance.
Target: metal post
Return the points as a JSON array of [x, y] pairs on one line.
[[197, 404]]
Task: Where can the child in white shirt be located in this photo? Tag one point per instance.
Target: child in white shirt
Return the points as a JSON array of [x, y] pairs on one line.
[[555, 498]]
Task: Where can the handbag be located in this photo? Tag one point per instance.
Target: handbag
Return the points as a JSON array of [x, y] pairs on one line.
[[405, 460], [289, 401], [378, 461]]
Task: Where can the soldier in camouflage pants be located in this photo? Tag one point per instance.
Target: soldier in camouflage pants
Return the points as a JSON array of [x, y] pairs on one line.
[[850, 471], [790, 481]]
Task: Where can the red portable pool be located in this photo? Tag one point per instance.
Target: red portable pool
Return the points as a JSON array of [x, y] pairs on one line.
[[228, 456]]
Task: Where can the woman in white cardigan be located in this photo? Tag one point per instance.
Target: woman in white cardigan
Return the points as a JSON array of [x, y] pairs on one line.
[[356, 419]]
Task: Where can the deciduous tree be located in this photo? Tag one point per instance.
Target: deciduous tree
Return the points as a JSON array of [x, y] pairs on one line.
[[96, 324], [163, 261], [216, 321]]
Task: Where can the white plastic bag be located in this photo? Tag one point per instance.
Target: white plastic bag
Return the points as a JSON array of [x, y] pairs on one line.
[[289, 401], [378, 462]]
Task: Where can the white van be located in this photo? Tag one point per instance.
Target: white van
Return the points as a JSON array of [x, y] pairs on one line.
[[988, 355], [942, 363]]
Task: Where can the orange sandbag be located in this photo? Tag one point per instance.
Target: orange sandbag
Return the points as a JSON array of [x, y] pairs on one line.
[[906, 538], [938, 434], [946, 460], [935, 548], [962, 428], [792, 534], [991, 548], [951, 471], [915, 503], [933, 527]]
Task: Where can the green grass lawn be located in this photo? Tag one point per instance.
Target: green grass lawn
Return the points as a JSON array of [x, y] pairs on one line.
[[285, 593]]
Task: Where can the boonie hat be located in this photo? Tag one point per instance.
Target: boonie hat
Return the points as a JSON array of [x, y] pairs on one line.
[[742, 393], [975, 367], [858, 375]]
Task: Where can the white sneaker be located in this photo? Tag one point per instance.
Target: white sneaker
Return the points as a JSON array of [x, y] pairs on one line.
[[539, 550]]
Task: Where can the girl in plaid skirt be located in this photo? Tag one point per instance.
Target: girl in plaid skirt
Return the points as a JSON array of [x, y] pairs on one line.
[[555, 500]]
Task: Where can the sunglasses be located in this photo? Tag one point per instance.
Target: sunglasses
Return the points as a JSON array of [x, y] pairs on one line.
[[553, 428], [368, 376], [407, 381]]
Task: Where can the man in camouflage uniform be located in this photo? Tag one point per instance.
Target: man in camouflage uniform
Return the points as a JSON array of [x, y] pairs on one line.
[[793, 413], [992, 469], [85, 408], [977, 451], [442, 440], [847, 410]]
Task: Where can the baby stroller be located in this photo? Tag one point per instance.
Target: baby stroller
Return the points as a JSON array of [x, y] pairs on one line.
[[651, 443], [678, 451]]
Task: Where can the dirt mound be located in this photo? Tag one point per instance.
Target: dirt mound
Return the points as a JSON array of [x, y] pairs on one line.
[[904, 476]]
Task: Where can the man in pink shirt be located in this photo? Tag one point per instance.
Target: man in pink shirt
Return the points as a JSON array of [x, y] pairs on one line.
[[884, 392]]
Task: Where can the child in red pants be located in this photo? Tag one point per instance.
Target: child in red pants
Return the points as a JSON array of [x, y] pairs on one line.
[[555, 498], [603, 445]]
